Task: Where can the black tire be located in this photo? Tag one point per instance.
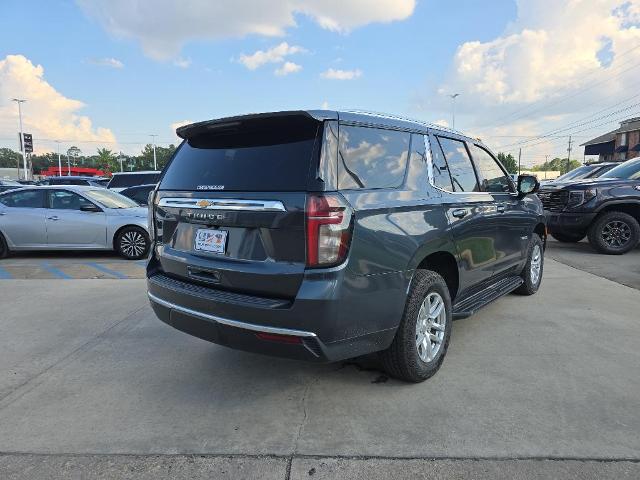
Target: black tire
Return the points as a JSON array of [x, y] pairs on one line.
[[611, 228], [568, 237], [529, 285], [402, 359], [4, 248], [132, 243]]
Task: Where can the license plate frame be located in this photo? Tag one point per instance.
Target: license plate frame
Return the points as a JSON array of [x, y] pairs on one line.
[[210, 240]]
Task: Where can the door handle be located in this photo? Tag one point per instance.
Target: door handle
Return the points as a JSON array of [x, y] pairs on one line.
[[501, 208], [54, 218], [460, 212]]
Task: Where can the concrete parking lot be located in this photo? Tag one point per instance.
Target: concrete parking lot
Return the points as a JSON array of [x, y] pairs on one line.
[[94, 386]]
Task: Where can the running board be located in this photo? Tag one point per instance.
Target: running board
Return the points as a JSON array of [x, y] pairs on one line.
[[471, 305]]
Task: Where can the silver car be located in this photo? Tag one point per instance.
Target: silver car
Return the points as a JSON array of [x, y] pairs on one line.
[[72, 217]]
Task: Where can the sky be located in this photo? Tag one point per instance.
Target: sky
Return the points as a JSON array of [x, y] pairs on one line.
[[110, 73]]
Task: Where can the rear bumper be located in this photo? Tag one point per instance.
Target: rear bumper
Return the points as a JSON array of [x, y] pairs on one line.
[[567, 222], [328, 323]]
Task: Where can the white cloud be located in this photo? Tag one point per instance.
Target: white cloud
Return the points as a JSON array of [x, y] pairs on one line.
[[337, 74], [273, 55], [559, 61], [542, 54], [176, 125], [287, 68], [175, 23], [107, 62], [325, 105], [47, 114], [182, 62]]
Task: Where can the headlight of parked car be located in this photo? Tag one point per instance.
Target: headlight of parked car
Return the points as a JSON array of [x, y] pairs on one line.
[[578, 197]]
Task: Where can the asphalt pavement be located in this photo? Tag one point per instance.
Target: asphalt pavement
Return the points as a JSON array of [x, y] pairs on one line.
[[94, 386]]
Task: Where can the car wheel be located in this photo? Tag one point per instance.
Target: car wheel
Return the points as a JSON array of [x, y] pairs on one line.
[[568, 237], [422, 339], [614, 233], [4, 248], [532, 272], [132, 243]]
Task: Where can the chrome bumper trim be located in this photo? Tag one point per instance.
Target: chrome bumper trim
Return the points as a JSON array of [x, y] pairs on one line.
[[231, 323]]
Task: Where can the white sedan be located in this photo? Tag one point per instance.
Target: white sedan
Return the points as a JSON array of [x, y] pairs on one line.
[[72, 218]]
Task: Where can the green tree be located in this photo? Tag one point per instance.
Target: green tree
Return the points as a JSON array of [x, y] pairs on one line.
[[163, 154], [9, 158], [557, 164], [508, 162], [106, 160]]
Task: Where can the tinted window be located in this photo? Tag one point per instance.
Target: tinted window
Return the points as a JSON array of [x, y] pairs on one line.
[[417, 176], [492, 177], [629, 170], [24, 199], [270, 155], [371, 157], [460, 167], [65, 200], [140, 195], [132, 179], [441, 177]]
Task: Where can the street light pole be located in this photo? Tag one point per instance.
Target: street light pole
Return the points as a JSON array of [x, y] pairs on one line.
[[155, 164], [453, 109], [20, 101], [59, 161]]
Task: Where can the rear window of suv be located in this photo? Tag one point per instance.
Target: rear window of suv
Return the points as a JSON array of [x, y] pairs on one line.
[[266, 156]]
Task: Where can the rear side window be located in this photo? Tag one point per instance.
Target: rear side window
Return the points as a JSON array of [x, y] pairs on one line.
[[440, 170], [460, 167], [371, 157], [133, 179], [270, 155], [491, 175], [24, 199]]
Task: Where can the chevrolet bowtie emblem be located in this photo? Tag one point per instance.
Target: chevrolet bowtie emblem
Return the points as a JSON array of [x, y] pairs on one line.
[[204, 203]]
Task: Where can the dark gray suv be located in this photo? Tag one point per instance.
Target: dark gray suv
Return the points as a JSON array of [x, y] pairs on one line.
[[325, 235]]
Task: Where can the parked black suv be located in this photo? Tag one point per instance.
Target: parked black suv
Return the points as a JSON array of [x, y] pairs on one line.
[[325, 235], [605, 209]]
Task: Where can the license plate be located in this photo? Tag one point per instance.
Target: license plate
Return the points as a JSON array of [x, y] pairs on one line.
[[209, 240]]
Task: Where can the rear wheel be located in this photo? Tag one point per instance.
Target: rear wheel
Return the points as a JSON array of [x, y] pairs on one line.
[[614, 233], [132, 243], [422, 339], [532, 272], [4, 248], [568, 237]]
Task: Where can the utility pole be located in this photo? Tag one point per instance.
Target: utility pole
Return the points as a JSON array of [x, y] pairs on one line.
[[519, 159], [20, 101], [569, 155], [453, 109], [59, 161], [155, 164]]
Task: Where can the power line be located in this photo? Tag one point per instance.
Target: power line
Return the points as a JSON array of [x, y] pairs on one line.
[[579, 91]]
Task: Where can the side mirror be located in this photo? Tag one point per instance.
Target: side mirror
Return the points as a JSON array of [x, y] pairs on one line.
[[90, 208], [527, 184]]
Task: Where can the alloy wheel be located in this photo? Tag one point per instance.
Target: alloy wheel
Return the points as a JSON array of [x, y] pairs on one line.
[[133, 243], [536, 264], [616, 233], [430, 327]]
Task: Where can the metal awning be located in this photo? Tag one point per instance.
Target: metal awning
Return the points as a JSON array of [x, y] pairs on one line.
[[622, 149], [636, 148], [604, 148]]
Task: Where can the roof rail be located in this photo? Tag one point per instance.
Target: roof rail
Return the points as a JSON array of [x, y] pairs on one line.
[[404, 119]]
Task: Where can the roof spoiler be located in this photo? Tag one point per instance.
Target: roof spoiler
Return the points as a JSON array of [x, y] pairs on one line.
[[232, 123]]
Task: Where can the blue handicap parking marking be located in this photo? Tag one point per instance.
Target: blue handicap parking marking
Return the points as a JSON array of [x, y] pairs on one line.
[[106, 270], [5, 274], [55, 271]]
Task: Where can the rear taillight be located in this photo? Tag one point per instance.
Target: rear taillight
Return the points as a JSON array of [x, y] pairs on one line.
[[328, 230]]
